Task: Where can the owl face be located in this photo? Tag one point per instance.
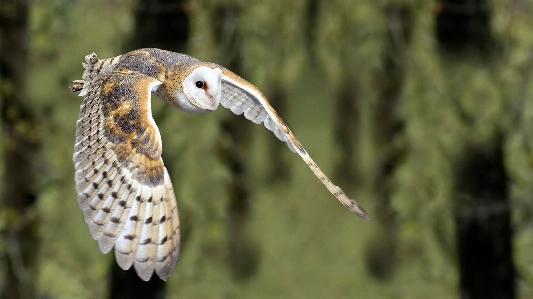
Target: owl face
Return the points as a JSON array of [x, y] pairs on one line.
[[202, 88]]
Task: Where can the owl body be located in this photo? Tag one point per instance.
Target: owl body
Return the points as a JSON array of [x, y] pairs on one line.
[[123, 187]]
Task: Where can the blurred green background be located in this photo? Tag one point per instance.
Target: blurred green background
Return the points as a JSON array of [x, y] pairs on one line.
[[421, 110]]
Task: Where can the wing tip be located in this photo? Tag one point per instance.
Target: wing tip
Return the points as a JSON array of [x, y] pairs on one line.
[[105, 244], [163, 271], [357, 209], [123, 260], [165, 268], [363, 214], [145, 272]]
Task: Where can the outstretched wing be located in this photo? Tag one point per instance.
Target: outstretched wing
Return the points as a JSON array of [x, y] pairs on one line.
[[240, 97], [123, 187]]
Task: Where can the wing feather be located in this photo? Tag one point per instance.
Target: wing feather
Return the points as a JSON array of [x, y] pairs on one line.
[[144, 255], [119, 213], [237, 93], [122, 184], [169, 243], [240, 101], [111, 221], [125, 243]]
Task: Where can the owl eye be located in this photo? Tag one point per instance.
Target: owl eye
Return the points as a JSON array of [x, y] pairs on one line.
[[199, 84]]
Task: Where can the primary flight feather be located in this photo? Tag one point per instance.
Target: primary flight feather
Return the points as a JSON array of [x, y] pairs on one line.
[[123, 186]]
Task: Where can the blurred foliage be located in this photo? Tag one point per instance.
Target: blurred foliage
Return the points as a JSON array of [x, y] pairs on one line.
[[310, 246]]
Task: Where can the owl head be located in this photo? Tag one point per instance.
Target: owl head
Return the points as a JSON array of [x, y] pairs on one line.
[[201, 88]]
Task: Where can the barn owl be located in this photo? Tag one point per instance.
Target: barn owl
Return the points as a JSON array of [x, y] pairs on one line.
[[123, 187]]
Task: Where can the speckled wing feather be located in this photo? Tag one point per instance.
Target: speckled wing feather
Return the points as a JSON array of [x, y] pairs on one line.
[[123, 187], [242, 97]]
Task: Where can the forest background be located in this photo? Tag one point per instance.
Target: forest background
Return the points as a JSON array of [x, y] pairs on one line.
[[421, 110]]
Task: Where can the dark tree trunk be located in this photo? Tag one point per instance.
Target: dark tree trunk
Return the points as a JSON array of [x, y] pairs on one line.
[[389, 139], [482, 207], [242, 250], [463, 27], [279, 170], [346, 129], [483, 223], [21, 147], [234, 151], [311, 17], [160, 24], [127, 284]]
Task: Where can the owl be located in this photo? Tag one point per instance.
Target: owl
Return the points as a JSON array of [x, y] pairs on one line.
[[122, 185]]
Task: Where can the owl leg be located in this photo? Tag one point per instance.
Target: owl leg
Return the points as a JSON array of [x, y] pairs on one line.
[[78, 85]]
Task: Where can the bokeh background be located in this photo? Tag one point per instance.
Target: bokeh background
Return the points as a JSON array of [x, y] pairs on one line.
[[422, 110]]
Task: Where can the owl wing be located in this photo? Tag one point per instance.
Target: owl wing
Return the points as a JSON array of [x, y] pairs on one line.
[[242, 97], [123, 186]]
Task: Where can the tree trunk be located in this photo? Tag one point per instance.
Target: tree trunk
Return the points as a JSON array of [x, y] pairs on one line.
[[483, 224], [21, 147], [127, 284], [346, 129], [279, 170], [234, 152], [388, 138], [160, 24]]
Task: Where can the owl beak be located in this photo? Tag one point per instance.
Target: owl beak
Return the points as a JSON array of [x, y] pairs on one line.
[[213, 100], [211, 97]]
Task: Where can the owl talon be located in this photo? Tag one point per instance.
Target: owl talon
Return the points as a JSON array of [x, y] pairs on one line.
[[78, 85], [91, 58]]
